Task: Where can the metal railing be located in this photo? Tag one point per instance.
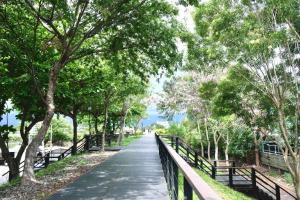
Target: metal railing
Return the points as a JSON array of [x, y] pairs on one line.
[[172, 164], [235, 177]]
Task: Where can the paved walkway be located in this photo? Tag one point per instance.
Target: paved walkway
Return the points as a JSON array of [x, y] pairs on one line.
[[133, 173]]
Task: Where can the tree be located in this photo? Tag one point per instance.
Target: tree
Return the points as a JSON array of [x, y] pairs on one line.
[[263, 39], [77, 29], [71, 94], [235, 95], [182, 94]]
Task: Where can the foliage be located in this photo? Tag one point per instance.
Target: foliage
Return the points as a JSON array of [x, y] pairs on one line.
[[61, 131], [241, 145], [176, 130]]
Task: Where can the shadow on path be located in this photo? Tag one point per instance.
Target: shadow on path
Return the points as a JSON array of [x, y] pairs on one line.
[[133, 173]]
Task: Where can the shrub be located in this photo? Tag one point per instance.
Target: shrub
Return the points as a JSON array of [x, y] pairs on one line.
[[61, 132]]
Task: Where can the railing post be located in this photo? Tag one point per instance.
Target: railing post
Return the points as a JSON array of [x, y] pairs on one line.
[[230, 177], [253, 177], [172, 141], [201, 164], [187, 154], [196, 159], [109, 140], [277, 188], [233, 167], [213, 172], [187, 190], [47, 160], [175, 179], [177, 144], [216, 169], [87, 143]]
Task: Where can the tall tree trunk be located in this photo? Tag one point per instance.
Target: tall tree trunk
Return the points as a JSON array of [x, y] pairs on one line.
[[123, 119], [216, 152], [96, 125], [104, 126], [256, 149], [226, 149], [113, 127], [136, 127], [14, 163], [28, 175], [216, 144], [296, 178], [207, 138], [294, 166], [200, 134], [75, 126]]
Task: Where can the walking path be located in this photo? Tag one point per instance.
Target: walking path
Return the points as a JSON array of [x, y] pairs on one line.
[[133, 173]]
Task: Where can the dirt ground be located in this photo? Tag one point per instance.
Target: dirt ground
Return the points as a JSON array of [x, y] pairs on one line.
[[48, 184]]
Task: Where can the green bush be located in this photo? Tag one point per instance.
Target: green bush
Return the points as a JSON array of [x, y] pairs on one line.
[[288, 178], [242, 144], [61, 132], [178, 130]]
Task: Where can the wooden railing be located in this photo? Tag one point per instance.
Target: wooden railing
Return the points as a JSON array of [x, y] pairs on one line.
[[172, 163], [235, 177], [82, 145]]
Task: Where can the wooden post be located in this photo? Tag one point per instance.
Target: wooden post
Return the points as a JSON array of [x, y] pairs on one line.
[[215, 167], [172, 141], [47, 160], [201, 164], [213, 172], [230, 177], [277, 189], [87, 143], [196, 159], [233, 167], [187, 190], [177, 144], [175, 178], [253, 177]]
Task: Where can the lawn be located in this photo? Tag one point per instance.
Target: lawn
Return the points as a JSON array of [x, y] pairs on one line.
[[128, 140]]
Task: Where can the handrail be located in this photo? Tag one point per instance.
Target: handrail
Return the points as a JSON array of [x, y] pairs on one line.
[[201, 188], [42, 159], [273, 182], [252, 176]]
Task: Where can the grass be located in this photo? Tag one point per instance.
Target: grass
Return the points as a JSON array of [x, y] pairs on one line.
[[12, 183], [224, 191], [53, 168], [285, 177], [128, 140], [57, 167], [288, 178]]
